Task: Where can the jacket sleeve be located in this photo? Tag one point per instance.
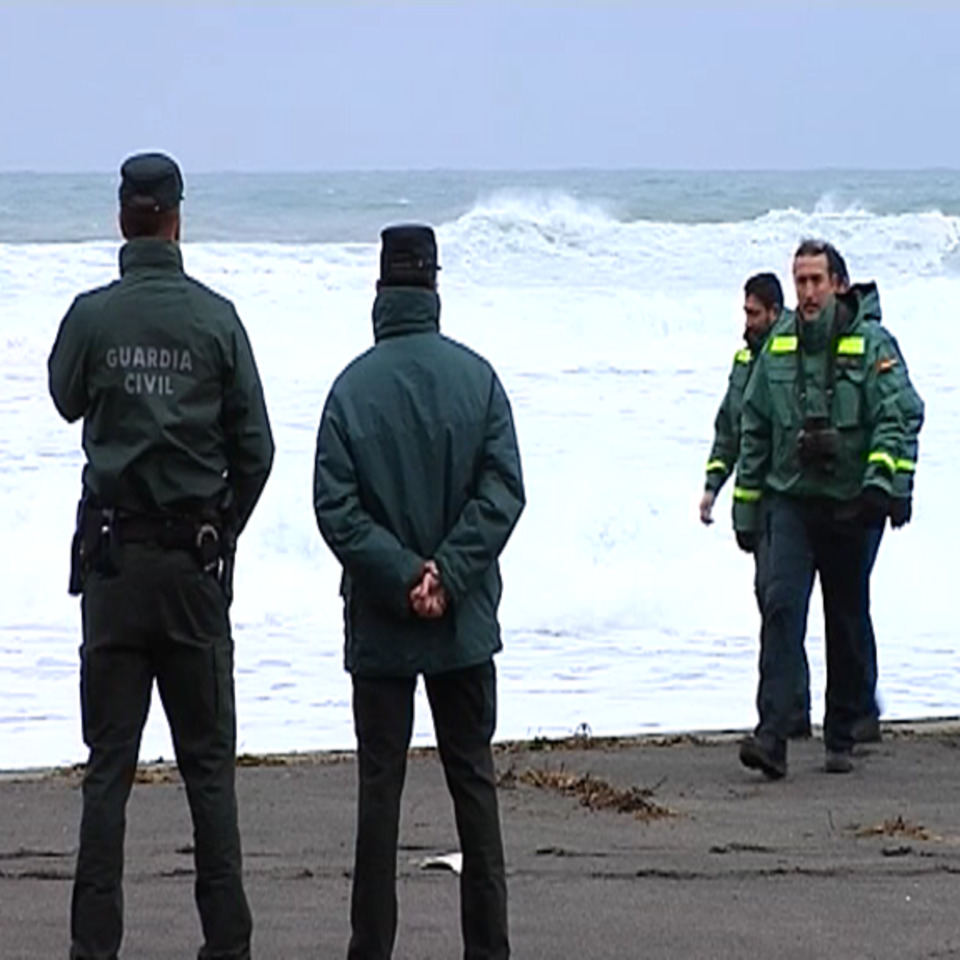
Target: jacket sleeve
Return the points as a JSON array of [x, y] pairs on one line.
[[726, 435], [885, 386], [247, 427], [67, 366], [370, 554], [756, 443], [912, 412], [489, 516]]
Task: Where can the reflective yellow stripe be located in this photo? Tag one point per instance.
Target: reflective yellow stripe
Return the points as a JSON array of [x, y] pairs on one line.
[[716, 465], [878, 456], [906, 466], [783, 345], [746, 496], [743, 356], [850, 347]]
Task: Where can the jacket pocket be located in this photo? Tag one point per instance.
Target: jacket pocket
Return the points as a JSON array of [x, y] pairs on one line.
[[847, 397], [785, 418], [783, 393]]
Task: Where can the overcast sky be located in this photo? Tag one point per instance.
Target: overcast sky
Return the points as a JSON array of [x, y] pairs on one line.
[[327, 86]]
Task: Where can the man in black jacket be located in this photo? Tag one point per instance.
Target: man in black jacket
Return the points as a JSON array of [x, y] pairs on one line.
[[178, 450], [417, 488]]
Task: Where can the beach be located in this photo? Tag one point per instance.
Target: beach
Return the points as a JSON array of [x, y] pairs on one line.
[[653, 847]]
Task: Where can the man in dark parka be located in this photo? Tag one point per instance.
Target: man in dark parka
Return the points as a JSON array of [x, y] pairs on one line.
[[417, 488]]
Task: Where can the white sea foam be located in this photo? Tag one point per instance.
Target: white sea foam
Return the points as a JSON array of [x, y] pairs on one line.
[[613, 340], [533, 240]]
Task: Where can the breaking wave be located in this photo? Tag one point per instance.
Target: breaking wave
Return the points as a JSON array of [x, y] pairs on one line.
[[543, 237]]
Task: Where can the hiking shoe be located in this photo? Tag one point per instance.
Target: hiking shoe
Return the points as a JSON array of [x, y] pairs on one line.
[[838, 761], [867, 729], [760, 754]]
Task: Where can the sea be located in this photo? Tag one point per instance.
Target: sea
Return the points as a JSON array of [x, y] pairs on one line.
[[611, 305]]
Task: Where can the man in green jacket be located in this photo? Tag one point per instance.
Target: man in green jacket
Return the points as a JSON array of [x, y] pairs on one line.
[[821, 435], [417, 488], [762, 307], [178, 450], [867, 727]]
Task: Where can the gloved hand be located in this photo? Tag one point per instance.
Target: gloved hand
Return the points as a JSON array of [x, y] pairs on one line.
[[901, 510], [747, 540], [874, 506]]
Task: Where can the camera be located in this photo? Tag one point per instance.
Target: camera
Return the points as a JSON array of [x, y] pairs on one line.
[[818, 445]]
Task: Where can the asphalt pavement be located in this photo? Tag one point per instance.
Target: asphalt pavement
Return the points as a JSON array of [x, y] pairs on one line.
[[647, 848]]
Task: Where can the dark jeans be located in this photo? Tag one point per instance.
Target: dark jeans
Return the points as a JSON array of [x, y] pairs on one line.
[[800, 706], [159, 618], [804, 539], [463, 704], [801, 698]]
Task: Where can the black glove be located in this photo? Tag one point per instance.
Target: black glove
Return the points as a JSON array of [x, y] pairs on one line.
[[874, 506], [747, 540], [901, 509]]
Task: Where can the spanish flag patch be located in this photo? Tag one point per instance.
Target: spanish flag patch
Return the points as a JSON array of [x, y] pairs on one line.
[[886, 364]]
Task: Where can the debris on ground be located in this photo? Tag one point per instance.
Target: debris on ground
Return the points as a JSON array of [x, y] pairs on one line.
[[592, 792]]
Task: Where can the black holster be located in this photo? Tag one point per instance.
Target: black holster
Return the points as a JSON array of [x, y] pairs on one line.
[[95, 545]]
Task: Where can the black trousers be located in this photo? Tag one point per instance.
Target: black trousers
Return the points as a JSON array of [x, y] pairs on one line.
[[161, 618], [463, 704], [803, 539]]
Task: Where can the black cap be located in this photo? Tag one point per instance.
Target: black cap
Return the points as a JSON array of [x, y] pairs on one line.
[[151, 176], [408, 255]]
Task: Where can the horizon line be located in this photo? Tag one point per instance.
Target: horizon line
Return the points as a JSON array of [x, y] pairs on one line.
[[347, 171]]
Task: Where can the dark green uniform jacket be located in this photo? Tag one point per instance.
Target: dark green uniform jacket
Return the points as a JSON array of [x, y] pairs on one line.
[[726, 427], [161, 371], [417, 459], [792, 383]]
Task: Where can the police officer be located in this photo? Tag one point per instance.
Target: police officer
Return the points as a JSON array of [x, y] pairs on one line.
[[762, 307], [866, 729], [821, 435], [178, 450], [417, 488]]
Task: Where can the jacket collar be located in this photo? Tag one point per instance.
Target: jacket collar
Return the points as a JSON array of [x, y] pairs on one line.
[[755, 341], [816, 333], [148, 254], [398, 311]]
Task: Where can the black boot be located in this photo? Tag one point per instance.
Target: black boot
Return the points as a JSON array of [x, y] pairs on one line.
[[766, 754], [838, 761]]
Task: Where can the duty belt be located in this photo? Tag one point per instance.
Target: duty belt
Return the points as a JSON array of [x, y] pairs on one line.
[[188, 533], [101, 531]]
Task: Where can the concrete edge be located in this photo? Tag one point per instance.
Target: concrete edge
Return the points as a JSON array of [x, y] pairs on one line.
[[165, 771]]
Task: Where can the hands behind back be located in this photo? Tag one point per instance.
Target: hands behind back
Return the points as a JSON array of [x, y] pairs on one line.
[[428, 598]]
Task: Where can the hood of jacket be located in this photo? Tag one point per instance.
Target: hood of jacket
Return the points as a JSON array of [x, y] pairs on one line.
[[399, 311], [867, 298]]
